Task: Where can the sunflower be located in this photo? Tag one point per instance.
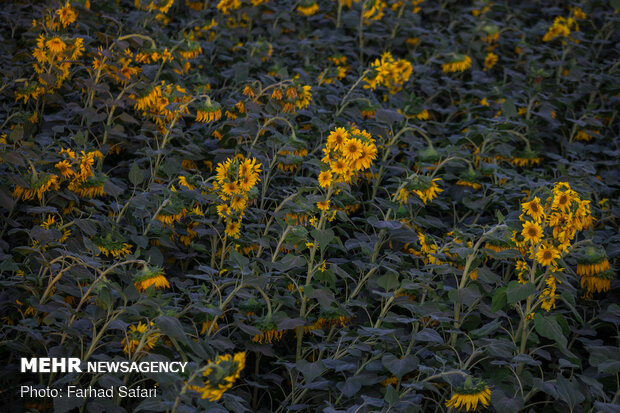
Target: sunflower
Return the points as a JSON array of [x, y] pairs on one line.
[[233, 228], [352, 149], [220, 376], [116, 249], [223, 210], [562, 199], [209, 324], [323, 205], [230, 188], [522, 269], [90, 188], [309, 9], [222, 170], [337, 138], [325, 179], [148, 277], [268, 336], [534, 209], [225, 6], [183, 182], [547, 255], [468, 399], [210, 115], [592, 261], [56, 45], [368, 154], [339, 166], [140, 333], [600, 282], [238, 203], [459, 64], [39, 185], [428, 190], [591, 269], [64, 167], [490, 60], [66, 14], [532, 232]]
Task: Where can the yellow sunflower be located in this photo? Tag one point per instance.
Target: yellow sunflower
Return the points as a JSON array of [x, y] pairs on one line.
[[336, 138], [325, 179], [534, 209], [323, 205], [532, 232], [352, 149], [233, 229], [547, 255], [468, 400]]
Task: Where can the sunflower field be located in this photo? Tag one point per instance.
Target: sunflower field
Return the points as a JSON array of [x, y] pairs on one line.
[[312, 205]]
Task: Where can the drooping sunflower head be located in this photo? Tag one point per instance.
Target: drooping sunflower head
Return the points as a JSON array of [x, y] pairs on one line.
[[468, 397], [150, 277]]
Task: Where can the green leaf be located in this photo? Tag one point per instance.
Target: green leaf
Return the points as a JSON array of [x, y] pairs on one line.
[[135, 174], [500, 216], [399, 366], [323, 237], [79, 137], [549, 328], [310, 370], [171, 327], [16, 134], [389, 281], [517, 292], [391, 395], [509, 109], [499, 299]]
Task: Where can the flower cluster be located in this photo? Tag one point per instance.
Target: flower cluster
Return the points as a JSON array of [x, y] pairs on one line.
[[374, 10], [220, 375], [77, 169], [234, 180], [547, 232], [293, 97], [162, 103], [388, 72], [337, 70], [161, 6], [347, 151], [562, 26], [54, 56]]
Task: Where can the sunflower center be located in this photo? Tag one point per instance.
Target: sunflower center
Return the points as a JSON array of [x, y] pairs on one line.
[[532, 232]]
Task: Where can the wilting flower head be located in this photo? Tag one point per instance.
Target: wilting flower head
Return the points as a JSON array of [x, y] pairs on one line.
[[150, 276], [468, 397]]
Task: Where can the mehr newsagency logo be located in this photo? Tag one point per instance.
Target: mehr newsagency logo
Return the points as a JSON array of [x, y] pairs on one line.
[[75, 365]]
